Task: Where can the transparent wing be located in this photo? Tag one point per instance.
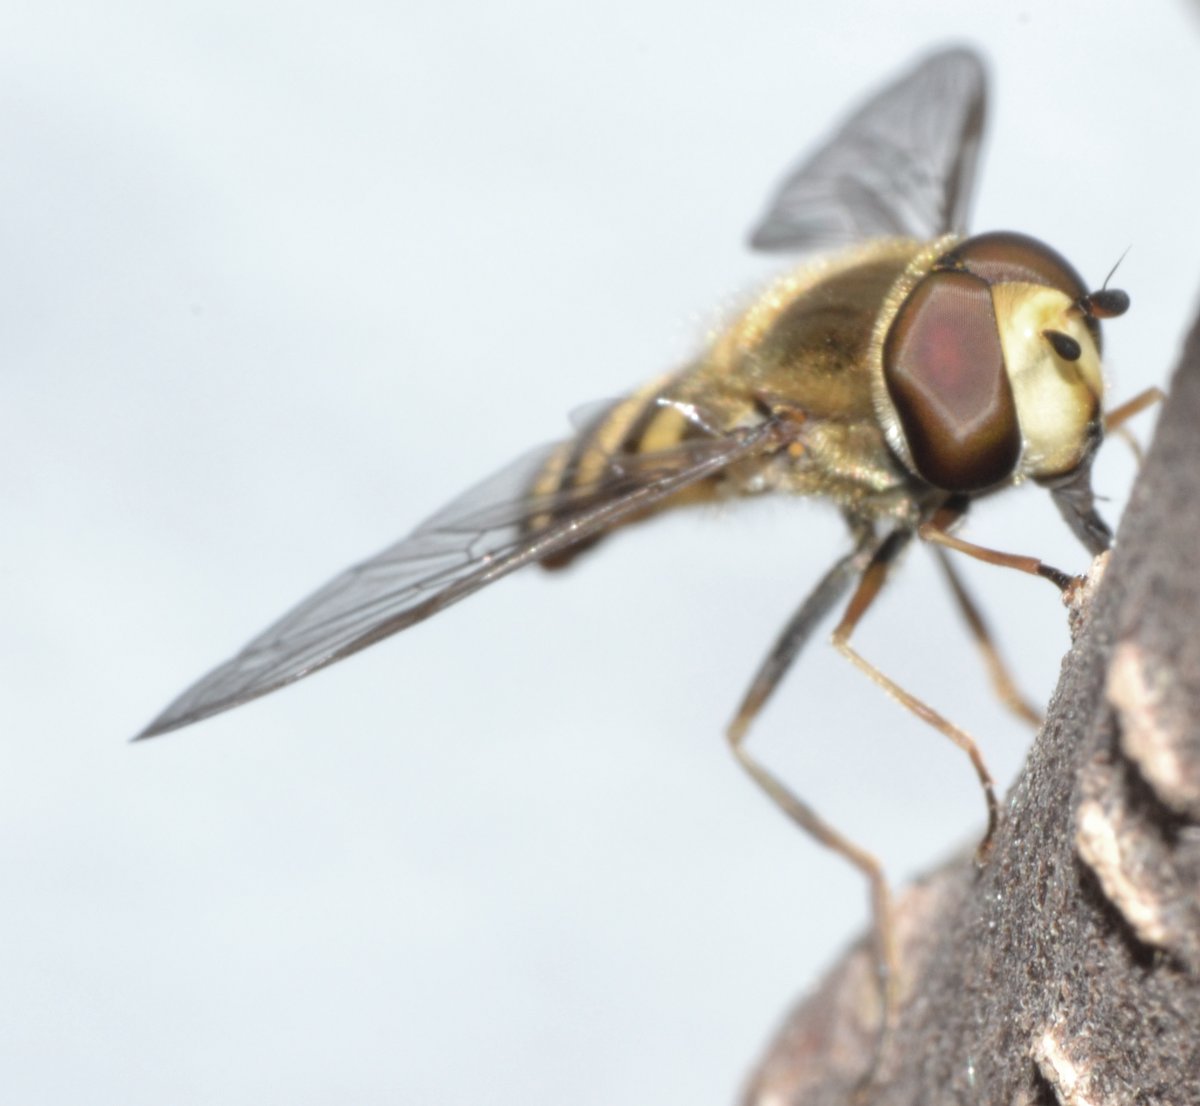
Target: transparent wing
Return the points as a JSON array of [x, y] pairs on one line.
[[488, 532], [903, 164]]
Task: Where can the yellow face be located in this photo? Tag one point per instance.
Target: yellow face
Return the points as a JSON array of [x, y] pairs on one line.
[[1058, 400]]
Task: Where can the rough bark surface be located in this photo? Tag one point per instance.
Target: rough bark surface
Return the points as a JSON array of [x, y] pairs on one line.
[[1068, 970]]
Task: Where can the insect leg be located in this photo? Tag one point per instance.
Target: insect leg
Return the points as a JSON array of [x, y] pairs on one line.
[[1118, 416], [1115, 420], [803, 815], [1002, 682], [936, 530], [829, 590], [832, 586], [868, 588]]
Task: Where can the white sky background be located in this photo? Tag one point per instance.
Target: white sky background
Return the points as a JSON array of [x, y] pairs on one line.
[[279, 280]]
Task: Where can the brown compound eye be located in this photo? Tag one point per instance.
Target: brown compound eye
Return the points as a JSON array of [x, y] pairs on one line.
[[944, 370], [1004, 256]]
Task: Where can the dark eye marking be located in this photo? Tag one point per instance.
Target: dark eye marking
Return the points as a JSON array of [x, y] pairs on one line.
[[1064, 345]]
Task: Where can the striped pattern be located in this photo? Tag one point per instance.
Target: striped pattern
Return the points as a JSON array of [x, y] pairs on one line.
[[637, 424]]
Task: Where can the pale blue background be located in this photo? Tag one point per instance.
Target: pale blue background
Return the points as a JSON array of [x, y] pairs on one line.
[[279, 279]]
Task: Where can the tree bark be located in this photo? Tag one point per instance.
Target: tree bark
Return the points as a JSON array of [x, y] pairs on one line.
[[1067, 970]]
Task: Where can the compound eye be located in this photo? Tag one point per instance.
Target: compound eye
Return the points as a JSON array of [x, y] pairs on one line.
[[1004, 257], [943, 366]]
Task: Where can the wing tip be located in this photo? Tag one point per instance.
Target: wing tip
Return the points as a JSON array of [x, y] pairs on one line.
[[956, 53], [776, 234], [766, 237], [962, 63], [163, 723]]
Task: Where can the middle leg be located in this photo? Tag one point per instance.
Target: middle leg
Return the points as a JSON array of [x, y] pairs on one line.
[[864, 595], [1003, 684]]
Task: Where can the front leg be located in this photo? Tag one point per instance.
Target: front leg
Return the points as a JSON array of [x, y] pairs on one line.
[[937, 531]]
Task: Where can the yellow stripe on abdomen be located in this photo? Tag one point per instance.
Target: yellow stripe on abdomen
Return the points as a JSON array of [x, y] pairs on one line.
[[636, 424]]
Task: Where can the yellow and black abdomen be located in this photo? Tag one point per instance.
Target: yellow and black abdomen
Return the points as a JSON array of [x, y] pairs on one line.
[[587, 466]]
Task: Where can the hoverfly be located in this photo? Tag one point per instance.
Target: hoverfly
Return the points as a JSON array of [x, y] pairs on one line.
[[904, 373]]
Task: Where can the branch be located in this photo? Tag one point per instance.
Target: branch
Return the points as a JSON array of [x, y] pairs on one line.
[[1068, 970]]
